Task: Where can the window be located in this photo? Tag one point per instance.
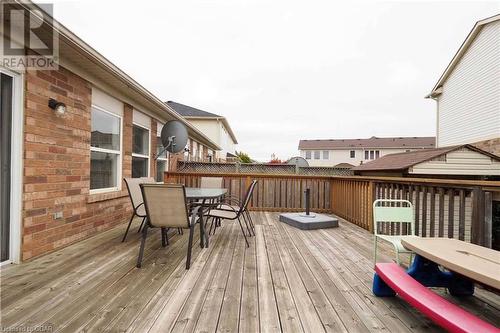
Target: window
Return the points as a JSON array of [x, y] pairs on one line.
[[308, 154], [140, 152], [105, 150], [372, 155], [161, 159], [366, 154], [326, 154], [317, 154], [352, 153], [377, 153]]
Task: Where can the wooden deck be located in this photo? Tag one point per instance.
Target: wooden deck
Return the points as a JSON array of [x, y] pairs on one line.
[[287, 280]]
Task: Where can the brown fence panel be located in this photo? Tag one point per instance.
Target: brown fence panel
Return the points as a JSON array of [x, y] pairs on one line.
[[443, 207]]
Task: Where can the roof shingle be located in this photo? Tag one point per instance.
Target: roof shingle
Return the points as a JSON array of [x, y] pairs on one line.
[[188, 111], [373, 142]]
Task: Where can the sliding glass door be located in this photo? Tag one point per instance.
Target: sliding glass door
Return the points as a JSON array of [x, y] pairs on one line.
[[6, 100]]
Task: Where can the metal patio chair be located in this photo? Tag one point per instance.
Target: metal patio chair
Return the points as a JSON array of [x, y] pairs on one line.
[[166, 207], [211, 182], [387, 214], [135, 195], [231, 212]]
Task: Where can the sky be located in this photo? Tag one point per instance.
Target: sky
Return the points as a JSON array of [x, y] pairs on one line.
[[285, 70]]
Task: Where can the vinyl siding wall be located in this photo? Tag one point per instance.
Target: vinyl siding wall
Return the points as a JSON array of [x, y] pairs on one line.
[[469, 107]]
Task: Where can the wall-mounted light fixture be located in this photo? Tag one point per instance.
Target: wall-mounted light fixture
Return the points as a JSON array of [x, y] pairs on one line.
[[58, 107]]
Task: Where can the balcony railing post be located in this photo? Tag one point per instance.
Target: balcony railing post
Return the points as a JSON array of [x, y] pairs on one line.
[[477, 218], [371, 199]]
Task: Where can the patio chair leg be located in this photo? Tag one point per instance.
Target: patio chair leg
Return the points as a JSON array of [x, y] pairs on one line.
[[163, 233], [166, 236], [375, 251], [128, 227], [142, 224], [180, 231], [143, 242], [190, 246], [211, 226], [251, 221], [243, 231], [246, 223]]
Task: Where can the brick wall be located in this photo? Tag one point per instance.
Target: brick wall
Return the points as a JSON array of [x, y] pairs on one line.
[[57, 166]]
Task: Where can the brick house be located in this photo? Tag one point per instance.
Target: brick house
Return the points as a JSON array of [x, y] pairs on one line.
[[62, 175]]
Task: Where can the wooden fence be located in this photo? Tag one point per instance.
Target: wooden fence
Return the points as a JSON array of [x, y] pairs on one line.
[[272, 193], [443, 207]]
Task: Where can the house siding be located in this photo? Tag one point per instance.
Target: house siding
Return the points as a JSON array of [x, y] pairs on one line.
[[469, 106]]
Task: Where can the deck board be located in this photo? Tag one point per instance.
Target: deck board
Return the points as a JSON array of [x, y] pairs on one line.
[[288, 280]]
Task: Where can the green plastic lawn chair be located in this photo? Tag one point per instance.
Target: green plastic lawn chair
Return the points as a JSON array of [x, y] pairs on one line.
[[387, 214]]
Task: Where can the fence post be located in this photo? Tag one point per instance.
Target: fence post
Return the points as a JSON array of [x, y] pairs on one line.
[[488, 219], [371, 199], [248, 181], [477, 218]]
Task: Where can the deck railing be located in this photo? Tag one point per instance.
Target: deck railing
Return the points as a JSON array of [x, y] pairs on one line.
[[443, 207]]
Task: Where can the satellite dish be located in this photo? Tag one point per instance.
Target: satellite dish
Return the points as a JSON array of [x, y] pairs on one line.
[[298, 161], [174, 136]]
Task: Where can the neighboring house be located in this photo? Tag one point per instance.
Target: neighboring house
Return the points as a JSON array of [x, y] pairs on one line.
[[468, 92], [462, 161], [214, 126], [61, 178], [358, 151]]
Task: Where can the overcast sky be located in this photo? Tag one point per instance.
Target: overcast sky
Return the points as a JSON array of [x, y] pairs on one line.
[[282, 71]]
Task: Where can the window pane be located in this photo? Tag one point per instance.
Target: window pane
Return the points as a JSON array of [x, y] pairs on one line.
[[377, 153], [316, 154], [326, 154], [105, 130], [353, 153], [159, 149], [139, 167], [308, 155], [160, 169], [371, 155], [140, 141], [103, 169], [366, 154]]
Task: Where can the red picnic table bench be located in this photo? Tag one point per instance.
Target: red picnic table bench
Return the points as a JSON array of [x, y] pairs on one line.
[[467, 263]]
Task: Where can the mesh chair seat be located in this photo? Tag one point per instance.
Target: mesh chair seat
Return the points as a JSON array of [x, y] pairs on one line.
[[224, 214], [396, 242]]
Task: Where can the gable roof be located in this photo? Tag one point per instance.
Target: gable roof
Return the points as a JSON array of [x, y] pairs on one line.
[[373, 142], [83, 60], [189, 112], [402, 161], [460, 53]]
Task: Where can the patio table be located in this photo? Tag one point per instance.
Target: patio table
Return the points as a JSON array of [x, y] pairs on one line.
[[466, 263], [204, 195]]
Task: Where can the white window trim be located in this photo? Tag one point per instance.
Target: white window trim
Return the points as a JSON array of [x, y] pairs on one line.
[[16, 164], [116, 152], [149, 147]]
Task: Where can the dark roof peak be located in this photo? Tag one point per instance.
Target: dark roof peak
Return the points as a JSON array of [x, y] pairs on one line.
[[189, 111]]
